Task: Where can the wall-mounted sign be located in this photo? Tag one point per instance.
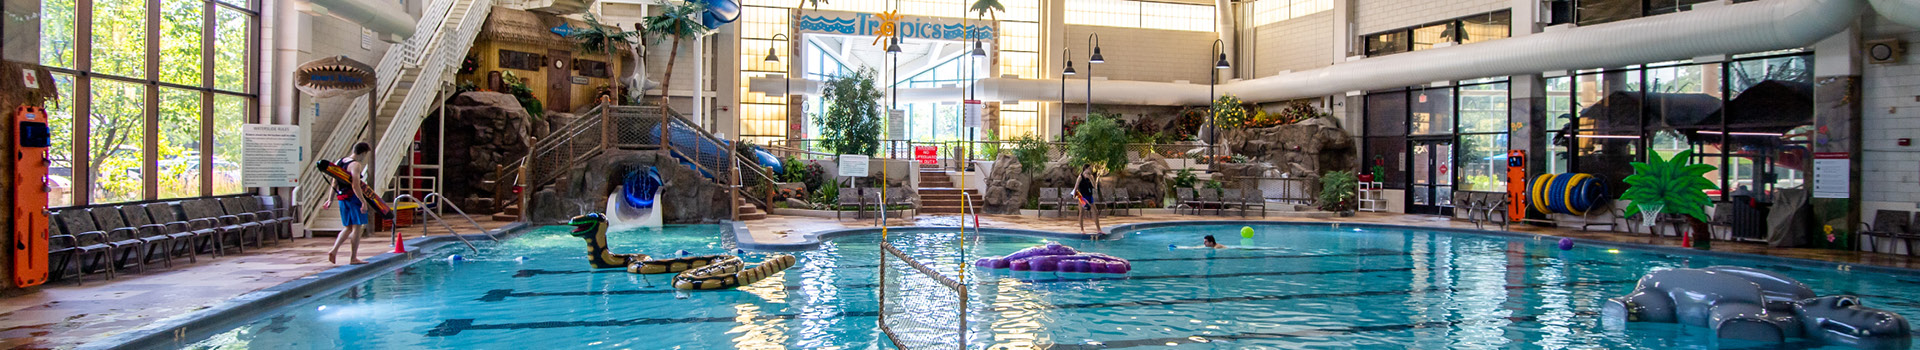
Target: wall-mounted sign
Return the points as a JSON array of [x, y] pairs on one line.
[[563, 30], [909, 27], [974, 110], [333, 76], [366, 38], [579, 80], [270, 155], [1832, 175], [897, 124], [927, 154]]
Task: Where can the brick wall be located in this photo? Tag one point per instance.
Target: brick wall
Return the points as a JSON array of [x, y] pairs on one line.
[[1890, 110], [1294, 44], [1144, 54], [1373, 16]]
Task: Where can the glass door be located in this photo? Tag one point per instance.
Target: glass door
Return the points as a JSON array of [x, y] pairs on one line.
[[1431, 169]]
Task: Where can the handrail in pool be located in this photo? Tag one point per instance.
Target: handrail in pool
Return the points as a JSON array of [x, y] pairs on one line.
[[436, 218], [442, 200]]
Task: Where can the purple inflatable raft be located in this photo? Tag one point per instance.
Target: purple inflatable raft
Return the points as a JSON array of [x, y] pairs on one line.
[[1054, 257]]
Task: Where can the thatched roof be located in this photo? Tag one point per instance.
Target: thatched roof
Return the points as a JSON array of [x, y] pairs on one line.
[[527, 28]]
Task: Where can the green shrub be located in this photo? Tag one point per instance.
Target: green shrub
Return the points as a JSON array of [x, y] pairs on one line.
[[1337, 191]]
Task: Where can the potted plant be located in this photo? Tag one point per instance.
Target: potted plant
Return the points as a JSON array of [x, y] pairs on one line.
[[1673, 185], [1337, 192]]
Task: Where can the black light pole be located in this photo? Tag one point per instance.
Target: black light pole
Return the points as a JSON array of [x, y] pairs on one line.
[[786, 90], [1065, 54], [1213, 79], [1093, 40]]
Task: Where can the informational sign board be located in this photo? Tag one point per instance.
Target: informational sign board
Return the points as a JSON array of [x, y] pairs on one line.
[[271, 155], [1832, 175], [897, 124], [927, 154], [366, 38], [974, 110], [30, 78], [579, 80], [853, 165]]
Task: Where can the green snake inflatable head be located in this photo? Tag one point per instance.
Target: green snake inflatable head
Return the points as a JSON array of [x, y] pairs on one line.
[[593, 228]]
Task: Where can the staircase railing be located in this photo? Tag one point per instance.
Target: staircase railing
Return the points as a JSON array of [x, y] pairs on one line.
[[357, 119], [446, 50], [623, 127], [752, 176]]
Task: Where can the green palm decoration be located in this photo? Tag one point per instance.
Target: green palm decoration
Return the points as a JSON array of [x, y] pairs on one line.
[[678, 21], [988, 8], [1673, 182], [815, 3], [599, 38]]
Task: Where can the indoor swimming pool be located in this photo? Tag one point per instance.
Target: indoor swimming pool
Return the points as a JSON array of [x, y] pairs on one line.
[[1289, 286]]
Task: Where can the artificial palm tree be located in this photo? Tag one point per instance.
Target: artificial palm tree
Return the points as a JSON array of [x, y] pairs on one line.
[[816, 3], [1673, 185], [988, 8], [600, 38], [678, 21]]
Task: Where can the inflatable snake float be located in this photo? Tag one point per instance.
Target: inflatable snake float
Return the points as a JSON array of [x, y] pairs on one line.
[[694, 272]]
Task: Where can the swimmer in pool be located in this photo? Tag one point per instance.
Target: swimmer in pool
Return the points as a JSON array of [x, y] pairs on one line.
[[1211, 244]]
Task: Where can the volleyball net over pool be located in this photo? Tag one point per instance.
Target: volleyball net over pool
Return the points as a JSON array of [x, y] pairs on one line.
[[919, 307]]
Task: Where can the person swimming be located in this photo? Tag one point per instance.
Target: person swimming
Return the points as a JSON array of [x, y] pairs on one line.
[[1212, 244]]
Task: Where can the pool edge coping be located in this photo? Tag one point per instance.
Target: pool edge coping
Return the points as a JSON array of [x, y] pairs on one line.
[[174, 332], [813, 240]]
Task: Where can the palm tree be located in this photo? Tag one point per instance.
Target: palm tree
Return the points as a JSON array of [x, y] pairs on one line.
[[816, 3], [679, 21], [599, 38], [988, 8]]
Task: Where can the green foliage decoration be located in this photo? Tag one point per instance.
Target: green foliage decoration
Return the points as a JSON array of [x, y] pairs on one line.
[[679, 21], [1031, 152], [520, 91], [851, 124], [1228, 112], [1674, 182], [598, 38], [1101, 143], [1337, 191]]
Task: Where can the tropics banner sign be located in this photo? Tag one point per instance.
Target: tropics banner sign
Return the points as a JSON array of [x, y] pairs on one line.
[[887, 24]]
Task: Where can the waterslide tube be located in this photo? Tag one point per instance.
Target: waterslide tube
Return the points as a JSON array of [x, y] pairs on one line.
[[1904, 12], [1736, 28], [380, 16]]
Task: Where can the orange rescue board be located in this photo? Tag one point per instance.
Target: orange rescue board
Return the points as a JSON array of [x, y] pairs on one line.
[[30, 187]]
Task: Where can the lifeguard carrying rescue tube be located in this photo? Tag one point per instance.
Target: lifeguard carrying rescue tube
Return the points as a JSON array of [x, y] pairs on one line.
[[1566, 193]]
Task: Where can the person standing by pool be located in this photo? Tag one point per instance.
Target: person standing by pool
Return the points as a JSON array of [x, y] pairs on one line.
[[1084, 189], [353, 213]]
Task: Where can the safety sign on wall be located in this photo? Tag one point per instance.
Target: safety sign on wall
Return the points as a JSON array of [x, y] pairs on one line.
[[1832, 175], [271, 155]]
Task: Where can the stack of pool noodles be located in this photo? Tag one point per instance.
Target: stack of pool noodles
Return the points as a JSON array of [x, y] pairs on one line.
[[1566, 193], [1054, 257]]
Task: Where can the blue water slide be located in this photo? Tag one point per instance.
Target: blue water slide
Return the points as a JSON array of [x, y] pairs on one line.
[[640, 186], [719, 13]]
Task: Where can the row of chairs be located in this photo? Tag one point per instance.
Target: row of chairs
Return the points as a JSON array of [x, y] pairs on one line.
[[1196, 199], [857, 200], [1062, 198], [1892, 224], [108, 237], [1492, 207]]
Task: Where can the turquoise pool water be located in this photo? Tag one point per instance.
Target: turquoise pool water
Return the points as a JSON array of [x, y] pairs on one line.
[[1312, 287]]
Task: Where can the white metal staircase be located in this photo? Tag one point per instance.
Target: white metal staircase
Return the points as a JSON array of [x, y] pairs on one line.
[[410, 77]]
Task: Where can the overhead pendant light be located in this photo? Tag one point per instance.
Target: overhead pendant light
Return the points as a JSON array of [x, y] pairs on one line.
[[1069, 70], [772, 57], [1096, 56], [978, 51], [893, 45], [1222, 64]]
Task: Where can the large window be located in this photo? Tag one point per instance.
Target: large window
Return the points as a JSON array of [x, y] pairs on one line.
[[1590, 12], [1141, 14], [1471, 115], [1750, 117], [155, 85], [1269, 11], [1463, 30]]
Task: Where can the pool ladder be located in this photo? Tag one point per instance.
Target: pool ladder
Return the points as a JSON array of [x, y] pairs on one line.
[[433, 197]]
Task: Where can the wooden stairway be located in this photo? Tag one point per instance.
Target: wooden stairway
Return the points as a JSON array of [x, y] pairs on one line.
[[938, 195], [749, 211]]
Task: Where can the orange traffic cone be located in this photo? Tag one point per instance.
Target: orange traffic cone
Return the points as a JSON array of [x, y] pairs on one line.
[[399, 243]]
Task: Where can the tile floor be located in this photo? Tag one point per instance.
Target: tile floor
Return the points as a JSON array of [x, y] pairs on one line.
[[64, 315]]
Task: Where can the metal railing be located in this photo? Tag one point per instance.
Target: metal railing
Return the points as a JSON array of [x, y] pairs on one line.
[[622, 127], [398, 62], [436, 218]]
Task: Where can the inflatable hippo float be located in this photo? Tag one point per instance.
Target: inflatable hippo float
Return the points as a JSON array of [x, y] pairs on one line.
[[1053, 257], [1749, 304]]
